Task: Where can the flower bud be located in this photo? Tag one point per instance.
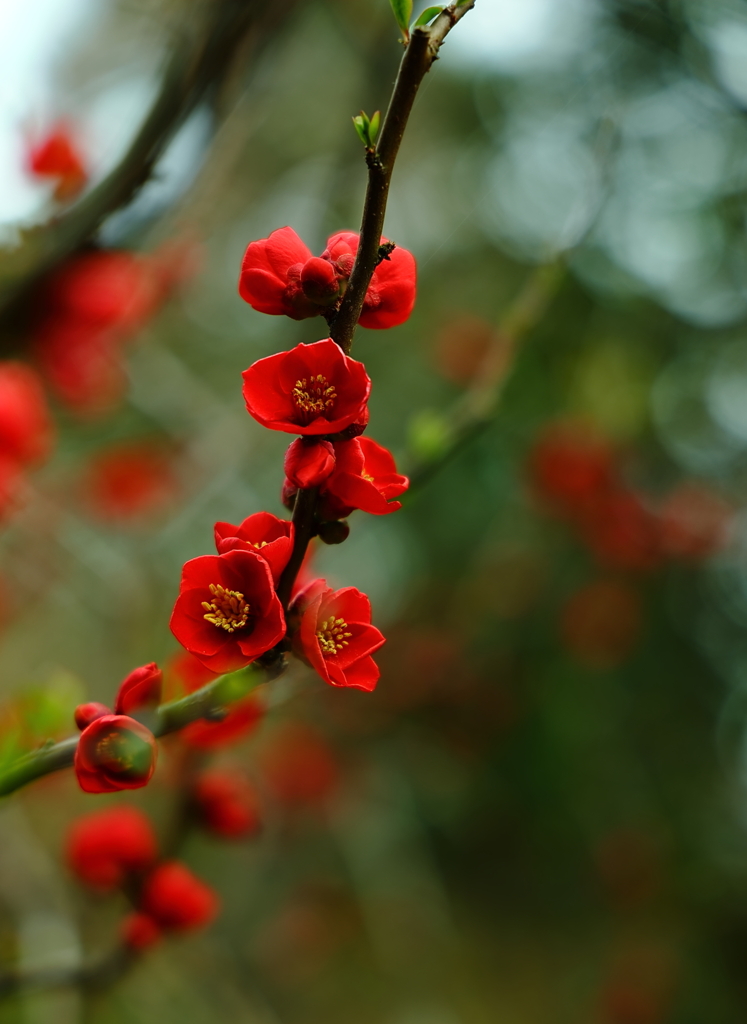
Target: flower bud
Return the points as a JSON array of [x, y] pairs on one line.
[[309, 462], [141, 689], [333, 532], [319, 281], [115, 752], [87, 713]]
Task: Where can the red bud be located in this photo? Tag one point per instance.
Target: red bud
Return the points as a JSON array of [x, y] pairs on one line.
[[309, 462]]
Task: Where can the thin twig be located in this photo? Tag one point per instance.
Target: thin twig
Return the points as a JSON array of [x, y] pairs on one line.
[[476, 409], [422, 51], [199, 61]]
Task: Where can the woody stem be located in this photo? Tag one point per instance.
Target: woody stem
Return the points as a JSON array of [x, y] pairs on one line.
[[421, 52]]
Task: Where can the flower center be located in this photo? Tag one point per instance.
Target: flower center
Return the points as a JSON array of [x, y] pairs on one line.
[[228, 609], [367, 476], [331, 636], [315, 395]]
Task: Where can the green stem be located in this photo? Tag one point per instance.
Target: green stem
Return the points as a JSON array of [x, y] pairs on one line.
[[207, 702]]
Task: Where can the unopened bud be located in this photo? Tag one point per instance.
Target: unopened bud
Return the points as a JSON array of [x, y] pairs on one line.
[[333, 532], [87, 713], [309, 461], [319, 281]]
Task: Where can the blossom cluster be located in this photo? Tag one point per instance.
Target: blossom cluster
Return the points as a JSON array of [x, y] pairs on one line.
[[578, 475], [229, 612], [116, 849]]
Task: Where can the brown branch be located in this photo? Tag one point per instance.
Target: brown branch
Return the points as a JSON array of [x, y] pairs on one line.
[[421, 52], [199, 62]]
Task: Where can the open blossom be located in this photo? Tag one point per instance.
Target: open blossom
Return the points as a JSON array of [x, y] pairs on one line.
[[25, 424], [312, 389], [280, 276], [57, 157], [227, 613], [262, 533], [115, 752], [335, 635], [365, 477], [104, 847]]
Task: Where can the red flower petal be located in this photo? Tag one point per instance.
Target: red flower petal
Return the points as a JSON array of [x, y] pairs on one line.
[[141, 689]]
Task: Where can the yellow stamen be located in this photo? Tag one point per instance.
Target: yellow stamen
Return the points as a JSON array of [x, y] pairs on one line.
[[331, 636], [228, 609], [315, 395]]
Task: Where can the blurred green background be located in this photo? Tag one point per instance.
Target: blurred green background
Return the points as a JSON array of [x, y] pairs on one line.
[[539, 817]]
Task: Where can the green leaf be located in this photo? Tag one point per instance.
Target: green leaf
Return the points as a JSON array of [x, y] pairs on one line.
[[361, 127], [402, 12], [428, 15], [373, 128]]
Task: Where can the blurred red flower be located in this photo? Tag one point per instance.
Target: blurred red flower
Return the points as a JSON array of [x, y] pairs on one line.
[[176, 899], [226, 803], [243, 715], [335, 635], [312, 389], [298, 766], [227, 613], [57, 155], [26, 430], [601, 623], [570, 465], [694, 522], [622, 532], [280, 276], [104, 847], [130, 480]]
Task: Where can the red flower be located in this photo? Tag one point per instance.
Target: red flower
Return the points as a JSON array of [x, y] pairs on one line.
[[139, 931], [335, 635], [57, 156], [391, 293], [313, 389], [140, 689], [622, 532], [695, 522], [176, 899], [227, 613], [82, 364], [226, 804], [115, 752], [25, 424], [365, 477], [129, 480], [107, 288], [103, 848], [601, 623], [263, 534], [570, 466], [298, 766], [308, 462], [280, 276], [243, 715]]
